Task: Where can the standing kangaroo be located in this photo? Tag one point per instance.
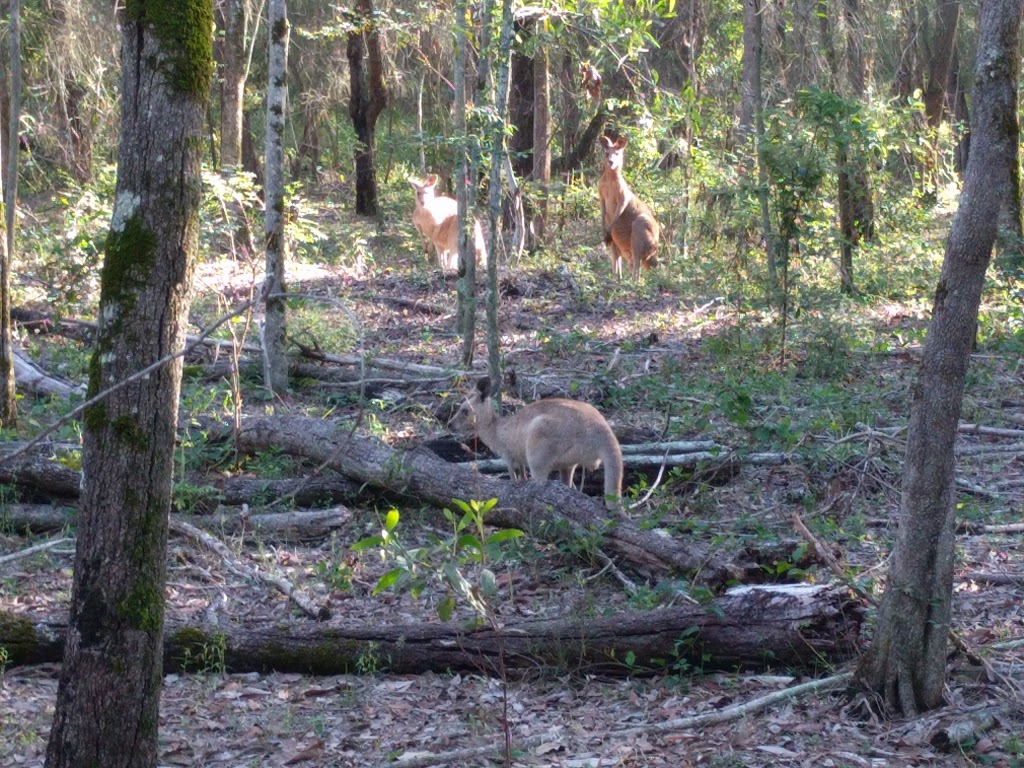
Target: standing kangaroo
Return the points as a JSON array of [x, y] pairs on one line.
[[629, 227], [436, 219], [545, 436]]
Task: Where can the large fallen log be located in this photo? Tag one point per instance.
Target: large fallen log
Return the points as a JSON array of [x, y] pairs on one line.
[[799, 627], [530, 506]]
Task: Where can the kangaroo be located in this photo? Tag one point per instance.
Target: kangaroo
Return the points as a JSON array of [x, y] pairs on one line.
[[629, 227], [555, 434], [436, 219]]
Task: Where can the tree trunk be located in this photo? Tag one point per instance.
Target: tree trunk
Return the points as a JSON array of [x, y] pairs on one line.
[[235, 24], [465, 314], [520, 105], [250, 158], [367, 100], [108, 697], [541, 140], [499, 157], [755, 628], [907, 661], [273, 336], [8, 392], [940, 92], [750, 98], [13, 127]]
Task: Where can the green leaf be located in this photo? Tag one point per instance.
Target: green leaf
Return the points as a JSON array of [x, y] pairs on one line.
[[368, 543], [468, 541], [391, 520], [446, 608], [488, 584], [506, 534], [388, 580]]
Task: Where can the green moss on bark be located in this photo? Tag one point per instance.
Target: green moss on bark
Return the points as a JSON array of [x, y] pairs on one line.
[[128, 261], [185, 31]]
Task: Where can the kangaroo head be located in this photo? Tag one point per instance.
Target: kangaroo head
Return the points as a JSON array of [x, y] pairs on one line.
[[614, 152], [464, 419], [425, 190]]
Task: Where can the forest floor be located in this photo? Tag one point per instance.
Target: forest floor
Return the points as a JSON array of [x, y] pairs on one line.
[[660, 365]]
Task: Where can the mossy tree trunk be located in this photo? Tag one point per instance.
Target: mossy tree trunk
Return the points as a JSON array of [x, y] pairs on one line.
[[275, 359], [906, 664], [107, 710]]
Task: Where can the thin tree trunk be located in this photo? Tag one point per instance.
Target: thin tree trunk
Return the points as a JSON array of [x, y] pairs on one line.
[[275, 359], [8, 394], [541, 139], [236, 24], [107, 710], [499, 157], [750, 98], [465, 316], [906, 664], [939, 92], [367, 100], [13, 127]]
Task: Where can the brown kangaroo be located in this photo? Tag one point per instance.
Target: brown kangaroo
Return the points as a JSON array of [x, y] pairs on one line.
[[629, 227], [555, 434], [436, 219]]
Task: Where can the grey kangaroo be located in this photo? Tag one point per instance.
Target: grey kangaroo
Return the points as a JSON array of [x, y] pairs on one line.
[[545, 436]]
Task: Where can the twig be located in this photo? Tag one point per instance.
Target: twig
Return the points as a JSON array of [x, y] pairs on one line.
[[28, 551], [244, 570]]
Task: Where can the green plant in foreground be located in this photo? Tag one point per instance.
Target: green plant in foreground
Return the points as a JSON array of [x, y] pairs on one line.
[[459, 563]]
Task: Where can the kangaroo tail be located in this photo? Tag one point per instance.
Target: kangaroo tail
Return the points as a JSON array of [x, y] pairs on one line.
[[612, 461]]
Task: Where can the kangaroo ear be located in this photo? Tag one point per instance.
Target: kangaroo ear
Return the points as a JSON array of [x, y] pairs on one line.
[[431, 180], [605, 142], [621, 142], [484, 387], [414, 183]]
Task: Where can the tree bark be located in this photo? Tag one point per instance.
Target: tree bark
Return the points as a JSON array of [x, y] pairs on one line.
[[520, 104], [465, 311], [541, 139], [273, 335], [753, 629], [107, 710], [368, 98], [906, 662], [750, 98], [235, 24], [940, 90]]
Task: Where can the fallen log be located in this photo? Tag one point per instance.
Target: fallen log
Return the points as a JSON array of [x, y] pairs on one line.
[[294, 525], [802, 627], [421, 475], [37, 472], [29, 376]]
